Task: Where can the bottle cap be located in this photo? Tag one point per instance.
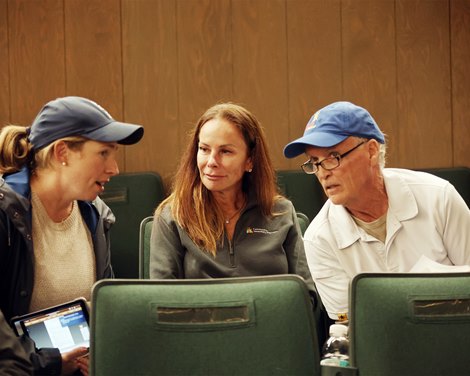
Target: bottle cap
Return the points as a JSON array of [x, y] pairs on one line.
[[338, 330]]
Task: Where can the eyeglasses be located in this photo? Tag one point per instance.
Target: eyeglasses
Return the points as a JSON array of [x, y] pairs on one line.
[[328, 164]]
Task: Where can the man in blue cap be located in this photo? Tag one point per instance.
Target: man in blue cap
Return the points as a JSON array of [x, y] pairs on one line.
[[376, 219]]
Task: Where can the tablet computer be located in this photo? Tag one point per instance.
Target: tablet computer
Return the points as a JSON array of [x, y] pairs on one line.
[[64, 326]]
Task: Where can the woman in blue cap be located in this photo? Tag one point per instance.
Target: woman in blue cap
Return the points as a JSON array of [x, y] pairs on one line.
[[54, 229]]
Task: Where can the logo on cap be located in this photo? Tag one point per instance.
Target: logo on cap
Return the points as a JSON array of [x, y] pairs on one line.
[[312, 123]]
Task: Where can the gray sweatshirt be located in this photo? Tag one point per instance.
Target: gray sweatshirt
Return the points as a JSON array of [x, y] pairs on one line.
[[260, 246]]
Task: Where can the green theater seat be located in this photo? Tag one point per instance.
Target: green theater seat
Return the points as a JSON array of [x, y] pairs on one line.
[[131, 197], [303, 190], [304, 221], [410, 324], [144, 247], [230, 326]]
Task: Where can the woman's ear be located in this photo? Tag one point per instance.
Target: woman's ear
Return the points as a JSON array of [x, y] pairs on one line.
[[61, 152], [249, 165]]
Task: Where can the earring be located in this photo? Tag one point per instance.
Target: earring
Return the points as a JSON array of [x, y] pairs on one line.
[[250, 170], [64, 163]]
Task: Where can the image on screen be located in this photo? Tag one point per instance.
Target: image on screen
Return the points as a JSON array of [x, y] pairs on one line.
[[65, 329]]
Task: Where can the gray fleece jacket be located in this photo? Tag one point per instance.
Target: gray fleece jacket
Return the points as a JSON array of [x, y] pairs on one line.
[[260, 246]]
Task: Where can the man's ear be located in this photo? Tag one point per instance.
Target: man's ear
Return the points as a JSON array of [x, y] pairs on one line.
[[373, 147]]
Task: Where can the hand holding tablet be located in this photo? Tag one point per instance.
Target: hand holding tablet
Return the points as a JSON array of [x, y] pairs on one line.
[[65, 326]]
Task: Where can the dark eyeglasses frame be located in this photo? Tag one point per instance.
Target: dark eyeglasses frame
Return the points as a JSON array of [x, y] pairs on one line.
[[316, 165]]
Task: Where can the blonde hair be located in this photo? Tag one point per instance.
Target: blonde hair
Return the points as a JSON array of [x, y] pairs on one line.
[[16, 151], [192, 204]]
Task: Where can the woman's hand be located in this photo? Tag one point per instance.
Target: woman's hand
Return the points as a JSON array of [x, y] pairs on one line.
[[71, 361], [82, 363]]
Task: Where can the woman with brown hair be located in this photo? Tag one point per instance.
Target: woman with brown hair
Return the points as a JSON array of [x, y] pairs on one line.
[[225, 217]]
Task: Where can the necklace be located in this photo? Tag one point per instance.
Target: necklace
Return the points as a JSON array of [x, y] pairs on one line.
[[227, 220]]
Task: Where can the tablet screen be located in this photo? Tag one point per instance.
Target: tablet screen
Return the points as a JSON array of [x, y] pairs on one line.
[[64, 326]]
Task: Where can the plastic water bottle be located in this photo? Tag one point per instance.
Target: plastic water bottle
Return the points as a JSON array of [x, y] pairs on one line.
[[335, 351]]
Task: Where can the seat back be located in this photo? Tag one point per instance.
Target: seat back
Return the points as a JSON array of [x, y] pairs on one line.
[[144, 247], [229, 326], [410, 324], [131, 197], [304, 221], [303, 190], [459, 177]]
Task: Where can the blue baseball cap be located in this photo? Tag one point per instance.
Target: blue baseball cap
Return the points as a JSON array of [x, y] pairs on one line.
[[77, 116], [333, 124]]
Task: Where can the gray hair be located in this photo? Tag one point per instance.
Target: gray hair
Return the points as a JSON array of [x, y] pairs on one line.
[[382, 151], [382, 155]]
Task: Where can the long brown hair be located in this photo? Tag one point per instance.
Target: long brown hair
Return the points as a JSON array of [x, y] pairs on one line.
[[192, 204]]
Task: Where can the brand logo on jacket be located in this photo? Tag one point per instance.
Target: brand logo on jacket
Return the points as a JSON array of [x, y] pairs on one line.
[[254, 230]]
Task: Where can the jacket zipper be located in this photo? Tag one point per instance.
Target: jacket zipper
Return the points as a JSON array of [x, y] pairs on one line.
[[231, 254]]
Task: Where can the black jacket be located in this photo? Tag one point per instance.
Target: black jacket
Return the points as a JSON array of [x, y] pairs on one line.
[[17, 253], [13, 359]]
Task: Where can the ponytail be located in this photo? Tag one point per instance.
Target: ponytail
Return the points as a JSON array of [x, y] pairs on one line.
[[15, 150]]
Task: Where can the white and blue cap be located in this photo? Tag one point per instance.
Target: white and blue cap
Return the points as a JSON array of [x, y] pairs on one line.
[[333, 124], [77, 116]]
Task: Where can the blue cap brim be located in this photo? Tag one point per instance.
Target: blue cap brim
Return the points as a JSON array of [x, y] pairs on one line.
[[318, 139]]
